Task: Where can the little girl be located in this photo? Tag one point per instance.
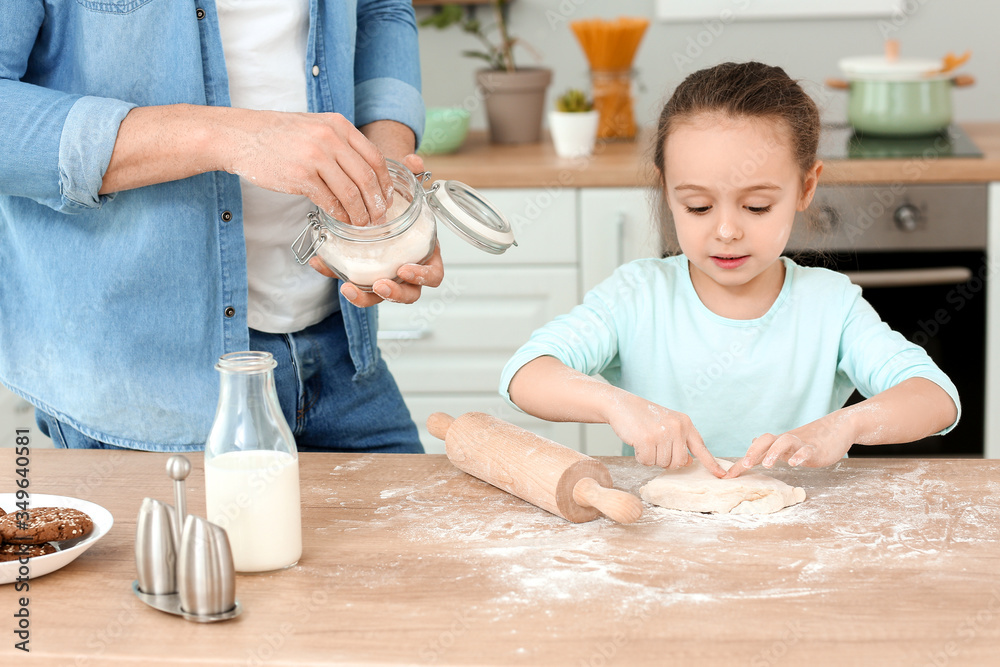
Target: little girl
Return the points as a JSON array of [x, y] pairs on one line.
[[786, 345]]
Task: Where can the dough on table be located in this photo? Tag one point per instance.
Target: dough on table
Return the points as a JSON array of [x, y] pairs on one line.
[[695, 489]]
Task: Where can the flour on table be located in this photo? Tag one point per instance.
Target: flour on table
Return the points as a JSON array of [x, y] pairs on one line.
[[695, 489]]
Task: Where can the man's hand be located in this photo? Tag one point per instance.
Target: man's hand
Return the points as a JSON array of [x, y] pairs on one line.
[[414, 276], [319, 155]]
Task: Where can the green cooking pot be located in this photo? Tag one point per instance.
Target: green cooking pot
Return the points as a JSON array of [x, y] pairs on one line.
[[904, 98]]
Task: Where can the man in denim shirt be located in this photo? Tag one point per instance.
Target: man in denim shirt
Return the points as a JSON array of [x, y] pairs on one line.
[[127, 221]]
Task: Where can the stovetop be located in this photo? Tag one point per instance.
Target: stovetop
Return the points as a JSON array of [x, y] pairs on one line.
[[840, 142]]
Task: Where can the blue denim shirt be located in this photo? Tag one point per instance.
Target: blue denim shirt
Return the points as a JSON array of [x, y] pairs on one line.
[[114, 309]]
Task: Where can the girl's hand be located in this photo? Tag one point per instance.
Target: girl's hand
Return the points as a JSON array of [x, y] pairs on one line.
[[908, 411], [817, 444], [660, 436]]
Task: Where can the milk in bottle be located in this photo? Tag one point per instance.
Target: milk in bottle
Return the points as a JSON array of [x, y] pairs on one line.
[[252, 467]]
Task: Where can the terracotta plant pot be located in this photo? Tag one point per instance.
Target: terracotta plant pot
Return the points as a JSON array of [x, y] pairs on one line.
[[515, 103]]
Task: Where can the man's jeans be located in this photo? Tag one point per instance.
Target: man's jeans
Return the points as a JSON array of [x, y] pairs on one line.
[[326, 409]]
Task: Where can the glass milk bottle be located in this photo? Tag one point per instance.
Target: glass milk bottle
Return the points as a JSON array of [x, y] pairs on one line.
[[252, 467]]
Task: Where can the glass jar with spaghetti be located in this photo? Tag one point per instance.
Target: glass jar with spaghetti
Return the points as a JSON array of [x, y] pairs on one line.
[[612, 91]]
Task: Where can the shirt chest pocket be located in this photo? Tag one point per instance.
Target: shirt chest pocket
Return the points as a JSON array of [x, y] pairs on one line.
[[113, 6]]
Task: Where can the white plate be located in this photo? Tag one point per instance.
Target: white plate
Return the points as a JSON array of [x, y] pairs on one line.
[[68, 550]]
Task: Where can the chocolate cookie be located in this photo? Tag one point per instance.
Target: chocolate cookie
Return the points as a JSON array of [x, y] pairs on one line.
[[10, 552], [45, 524]]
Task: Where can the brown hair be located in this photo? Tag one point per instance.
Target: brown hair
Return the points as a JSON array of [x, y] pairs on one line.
[[738, 90], [744, 90]]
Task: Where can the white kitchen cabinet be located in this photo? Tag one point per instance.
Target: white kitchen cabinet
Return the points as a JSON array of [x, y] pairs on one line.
[[422, 406], [446, 350], [544, 225], [617, 225], [457, 337], [992, 427]]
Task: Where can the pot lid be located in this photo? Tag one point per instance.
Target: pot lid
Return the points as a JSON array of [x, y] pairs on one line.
[[883, 69], [471, 216]]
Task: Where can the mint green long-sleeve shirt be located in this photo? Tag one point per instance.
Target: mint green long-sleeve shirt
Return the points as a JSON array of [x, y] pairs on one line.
[[644, 329]]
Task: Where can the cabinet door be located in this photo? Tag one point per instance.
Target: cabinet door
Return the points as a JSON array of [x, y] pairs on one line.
[[423, 405], [544, 225], [446, 350], [617, 225], [457, 337]]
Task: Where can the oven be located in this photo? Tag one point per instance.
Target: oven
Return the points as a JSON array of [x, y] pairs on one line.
[[919, 254]]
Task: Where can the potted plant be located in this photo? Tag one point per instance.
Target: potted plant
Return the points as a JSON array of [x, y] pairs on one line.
[[514, 96], [573, 124]]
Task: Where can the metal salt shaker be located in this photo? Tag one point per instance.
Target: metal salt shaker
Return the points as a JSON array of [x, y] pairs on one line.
[[205, 574], [155, 548], [184, 563]]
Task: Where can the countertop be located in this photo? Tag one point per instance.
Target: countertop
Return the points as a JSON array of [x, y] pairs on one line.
[[628, 164], [409, 561]]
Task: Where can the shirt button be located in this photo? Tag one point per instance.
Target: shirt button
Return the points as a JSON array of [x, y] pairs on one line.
[[315, 70], [200, 13], [226, 216], [230, 311]]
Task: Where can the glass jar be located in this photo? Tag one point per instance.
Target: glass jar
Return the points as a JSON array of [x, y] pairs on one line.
[[252, 467], [612, 91], [363, 255]]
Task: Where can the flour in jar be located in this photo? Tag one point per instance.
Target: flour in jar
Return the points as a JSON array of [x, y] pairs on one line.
[[397, 207], [365, 261]]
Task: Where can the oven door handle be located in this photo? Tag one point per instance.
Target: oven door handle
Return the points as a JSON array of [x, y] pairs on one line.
[[945, 275]]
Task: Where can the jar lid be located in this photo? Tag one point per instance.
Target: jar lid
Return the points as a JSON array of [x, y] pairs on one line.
[[471, 216]]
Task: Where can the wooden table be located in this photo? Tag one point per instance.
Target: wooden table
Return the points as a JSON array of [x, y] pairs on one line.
[[409, 561]]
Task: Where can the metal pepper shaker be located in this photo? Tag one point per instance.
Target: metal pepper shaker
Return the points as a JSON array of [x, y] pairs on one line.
[[155, 548], [184, 563], [206, 579]]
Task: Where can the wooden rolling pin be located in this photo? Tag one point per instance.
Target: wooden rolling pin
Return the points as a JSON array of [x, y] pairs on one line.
[[546, 474]]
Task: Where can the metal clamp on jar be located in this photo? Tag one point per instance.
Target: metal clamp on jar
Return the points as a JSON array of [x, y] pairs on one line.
[[363, 255]]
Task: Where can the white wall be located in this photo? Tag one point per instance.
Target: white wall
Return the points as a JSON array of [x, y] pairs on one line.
[[808, 49]]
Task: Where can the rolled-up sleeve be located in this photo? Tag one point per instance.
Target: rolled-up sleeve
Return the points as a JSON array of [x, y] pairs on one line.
[[56, 146], [85, 146], [387, 65]]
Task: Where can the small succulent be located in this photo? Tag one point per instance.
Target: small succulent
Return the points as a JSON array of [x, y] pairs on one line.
[[574, 101]]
